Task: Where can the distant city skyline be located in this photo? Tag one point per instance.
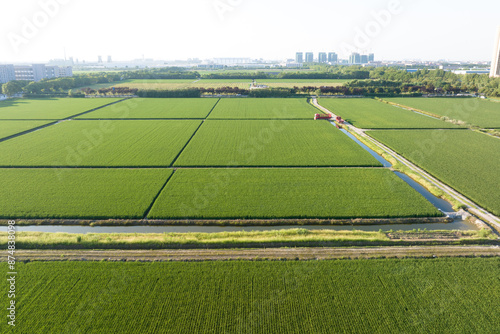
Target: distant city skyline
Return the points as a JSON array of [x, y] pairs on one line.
[[40, 30]]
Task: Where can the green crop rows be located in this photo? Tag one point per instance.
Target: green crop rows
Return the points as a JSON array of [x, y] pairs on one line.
[[272, 143], [100, 143], [289, 193], [262, 108], [478, 112], [372, 114], [48, 108], [79, 193], [466, 160], [155, 108], [446, 295], [9, 128]]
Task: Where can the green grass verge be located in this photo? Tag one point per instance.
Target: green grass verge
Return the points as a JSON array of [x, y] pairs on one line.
[[288, 193], [372, 114], [446, 295], [155, 108], [263, 108], [474, 111], [274, 238], [272, 143], [53, 108], [466, 160], [100, 143], [79, 193]]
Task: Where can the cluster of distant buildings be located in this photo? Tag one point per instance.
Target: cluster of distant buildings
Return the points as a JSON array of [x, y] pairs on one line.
[[332, 58], [34, 72]]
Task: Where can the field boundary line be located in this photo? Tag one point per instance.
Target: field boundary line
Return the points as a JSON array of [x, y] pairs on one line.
[[194, 167], [157, 195]]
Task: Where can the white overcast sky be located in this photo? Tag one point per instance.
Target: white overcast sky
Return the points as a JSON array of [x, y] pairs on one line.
[[269, 29]]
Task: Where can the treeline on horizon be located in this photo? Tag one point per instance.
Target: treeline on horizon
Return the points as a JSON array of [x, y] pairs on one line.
[[364, 81]]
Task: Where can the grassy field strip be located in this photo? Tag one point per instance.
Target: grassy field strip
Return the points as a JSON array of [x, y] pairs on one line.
[[49, 109], [79, 193], [473, 111], [444, 295], [100, 144], [271, 193], [272, 143], [371, 114], [298, 237], [263, 108], [466, 160], [155, 108], [172, 84]]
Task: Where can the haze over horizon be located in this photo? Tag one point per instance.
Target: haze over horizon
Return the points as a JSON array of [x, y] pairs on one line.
[[40, 30]]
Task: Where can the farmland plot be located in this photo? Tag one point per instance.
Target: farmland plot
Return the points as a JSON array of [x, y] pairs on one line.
[[474, 111], [263, 108], [79, 193], [155, 108], [372, 114], [289, 193], [48, 108], [272, 143], [100, 143], [444, 295]]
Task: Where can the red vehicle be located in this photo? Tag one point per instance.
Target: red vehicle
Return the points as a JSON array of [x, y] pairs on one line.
[[322, 116], [339, 119]]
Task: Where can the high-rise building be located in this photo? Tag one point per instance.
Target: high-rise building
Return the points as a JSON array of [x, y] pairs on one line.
[[99, 59], [299, 57], [7, 73], [495, 63], [109, 59], [355, 58], [309, 57], [364, 59], [322, 57], [332, 57], [371, 57]]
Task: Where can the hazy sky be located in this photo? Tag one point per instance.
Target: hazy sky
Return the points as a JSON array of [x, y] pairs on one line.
[[39, 30]]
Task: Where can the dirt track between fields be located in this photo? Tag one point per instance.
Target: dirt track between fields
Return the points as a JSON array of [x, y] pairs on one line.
[[255, 254]]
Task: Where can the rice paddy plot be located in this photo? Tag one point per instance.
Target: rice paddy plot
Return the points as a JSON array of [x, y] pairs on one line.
[[290, 83], [272, 143], [103, 143], [474, 111], [260, 193], [155, 108], [263, 108], [444, 295], [466, 160], [50, 108], [41, 193], [9, 128], [173, 84], [371, 114]]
